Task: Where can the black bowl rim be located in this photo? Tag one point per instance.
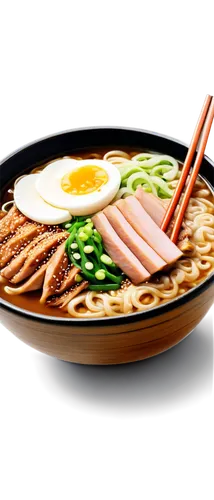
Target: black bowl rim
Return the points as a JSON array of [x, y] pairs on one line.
[[120, 319]]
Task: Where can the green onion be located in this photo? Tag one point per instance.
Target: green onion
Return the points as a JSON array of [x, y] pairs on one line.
[[104, 287], [106, 259], [70, 240], [74, 246], [79, 224], [65, 224], [83, 236], [97, 235], [88, 248], [100, 275], [77, 256], [89, 266], [94, 262], [74, 261], [87, 274], [88, 230], [78, 278], [98, 247], [80, 218], [90, 258], [112, 277]]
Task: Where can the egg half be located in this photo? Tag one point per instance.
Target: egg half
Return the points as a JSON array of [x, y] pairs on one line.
[[67, 187], [81, 187], [30, 203]]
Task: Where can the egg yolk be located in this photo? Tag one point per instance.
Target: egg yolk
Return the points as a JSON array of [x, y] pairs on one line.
[[84, 180]]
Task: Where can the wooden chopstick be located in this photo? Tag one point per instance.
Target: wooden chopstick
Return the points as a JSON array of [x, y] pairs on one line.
[[186, 165], [194, 173], [204, 122]]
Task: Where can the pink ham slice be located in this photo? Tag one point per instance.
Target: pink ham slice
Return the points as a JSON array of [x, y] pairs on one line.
[[153, 205], [119, 252], [148, 230], [146, 255]]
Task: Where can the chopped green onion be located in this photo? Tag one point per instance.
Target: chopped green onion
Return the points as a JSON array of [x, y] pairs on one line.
[[64, 224], [100, 275], [78, 278], [90, 258], [97, 237], [74, 246], [112, 277], [77, 256], [89, 266], [68, 225], [88, 249], [106, 259], [77, 225], [80, 218], [70, 240], [87, 274], [83, 236], [104, 287], [88, 230]]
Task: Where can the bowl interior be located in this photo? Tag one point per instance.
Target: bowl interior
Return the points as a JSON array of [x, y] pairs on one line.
[[72, 141]]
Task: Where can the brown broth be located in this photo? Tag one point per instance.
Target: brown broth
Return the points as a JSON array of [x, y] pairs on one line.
[[30, 301]]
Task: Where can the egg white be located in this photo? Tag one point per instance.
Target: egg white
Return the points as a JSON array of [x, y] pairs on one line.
[[30, 203], [48, 185]]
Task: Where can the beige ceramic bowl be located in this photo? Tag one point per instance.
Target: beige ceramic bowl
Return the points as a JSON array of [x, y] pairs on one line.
[[106, 340]]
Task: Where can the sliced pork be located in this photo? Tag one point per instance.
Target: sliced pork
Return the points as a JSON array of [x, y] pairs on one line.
[[143, 224], [33, 283], [146, 255], [153, 205], [11, 222], [68, 279], [38, 255], [2, 214], [22, 237], [68, 296], [119, 252], [17, 262], [55, 272]]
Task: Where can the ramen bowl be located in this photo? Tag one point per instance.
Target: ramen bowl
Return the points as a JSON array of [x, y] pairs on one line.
[[117, 339]]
